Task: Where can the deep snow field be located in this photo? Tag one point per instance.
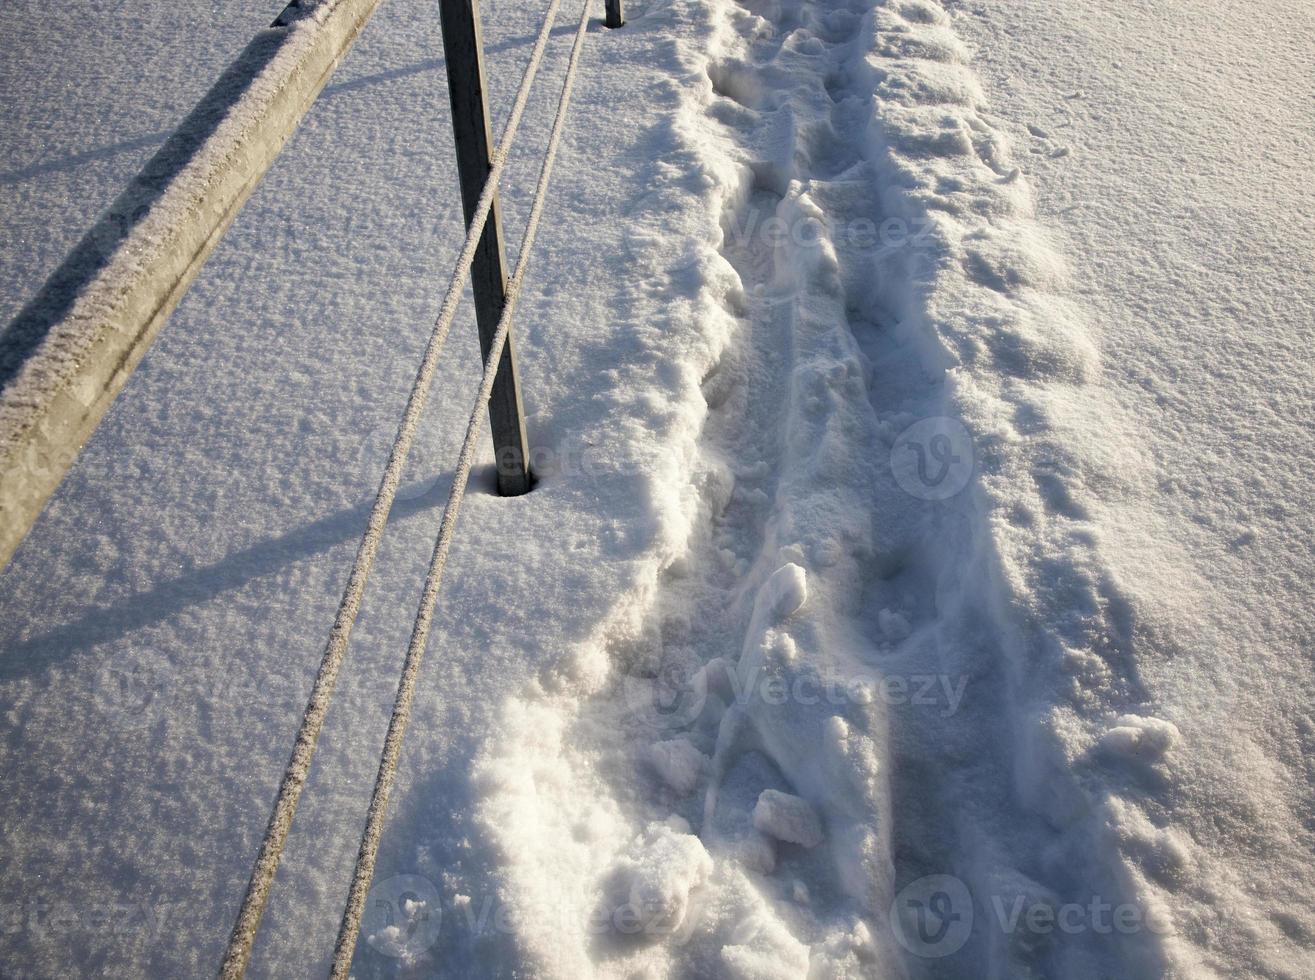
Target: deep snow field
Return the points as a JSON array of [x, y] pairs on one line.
[[921, 574]]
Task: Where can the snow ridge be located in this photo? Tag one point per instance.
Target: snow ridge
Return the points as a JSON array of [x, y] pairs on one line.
[[983, 306]]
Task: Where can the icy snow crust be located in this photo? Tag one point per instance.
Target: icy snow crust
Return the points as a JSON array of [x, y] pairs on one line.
[[808, 610]]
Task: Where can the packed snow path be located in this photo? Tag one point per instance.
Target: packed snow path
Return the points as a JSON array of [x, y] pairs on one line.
[[841, 689], [870, 619]]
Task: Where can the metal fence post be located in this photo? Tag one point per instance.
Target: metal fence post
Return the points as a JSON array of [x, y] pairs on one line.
[[488, 274], [616, 15]]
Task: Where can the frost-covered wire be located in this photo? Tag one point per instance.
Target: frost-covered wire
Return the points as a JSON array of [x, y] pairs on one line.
[[243, 936], [363, 872]]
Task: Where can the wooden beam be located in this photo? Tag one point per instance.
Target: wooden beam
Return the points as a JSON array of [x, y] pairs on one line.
[[70, 350]]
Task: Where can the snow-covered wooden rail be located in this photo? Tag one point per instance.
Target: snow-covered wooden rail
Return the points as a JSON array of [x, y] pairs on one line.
[[70, 350]]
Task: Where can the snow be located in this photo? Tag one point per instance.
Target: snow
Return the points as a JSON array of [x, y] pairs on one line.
[[785, 592], [919, 392], [679, 764], [1141, 738], [787, 818], [764, 950], [662, 868], [895, 625], [1177, 174]]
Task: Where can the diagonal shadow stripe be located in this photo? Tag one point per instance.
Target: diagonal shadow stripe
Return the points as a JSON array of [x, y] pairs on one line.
[[169, 598]]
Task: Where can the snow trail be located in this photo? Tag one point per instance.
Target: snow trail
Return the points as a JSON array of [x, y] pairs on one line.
[[848, 650], [684, 708]]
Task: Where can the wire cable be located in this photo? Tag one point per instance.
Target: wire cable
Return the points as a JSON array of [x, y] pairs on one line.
[[238, 952], [363, 873]]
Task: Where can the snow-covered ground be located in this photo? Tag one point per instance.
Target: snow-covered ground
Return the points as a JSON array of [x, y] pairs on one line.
[[920, 579]]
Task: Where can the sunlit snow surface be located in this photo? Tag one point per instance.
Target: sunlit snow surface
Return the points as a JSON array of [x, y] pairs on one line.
[[919, 580]]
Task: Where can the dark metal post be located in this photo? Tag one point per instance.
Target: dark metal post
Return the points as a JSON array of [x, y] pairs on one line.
[[488, 273], [616, 15]]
